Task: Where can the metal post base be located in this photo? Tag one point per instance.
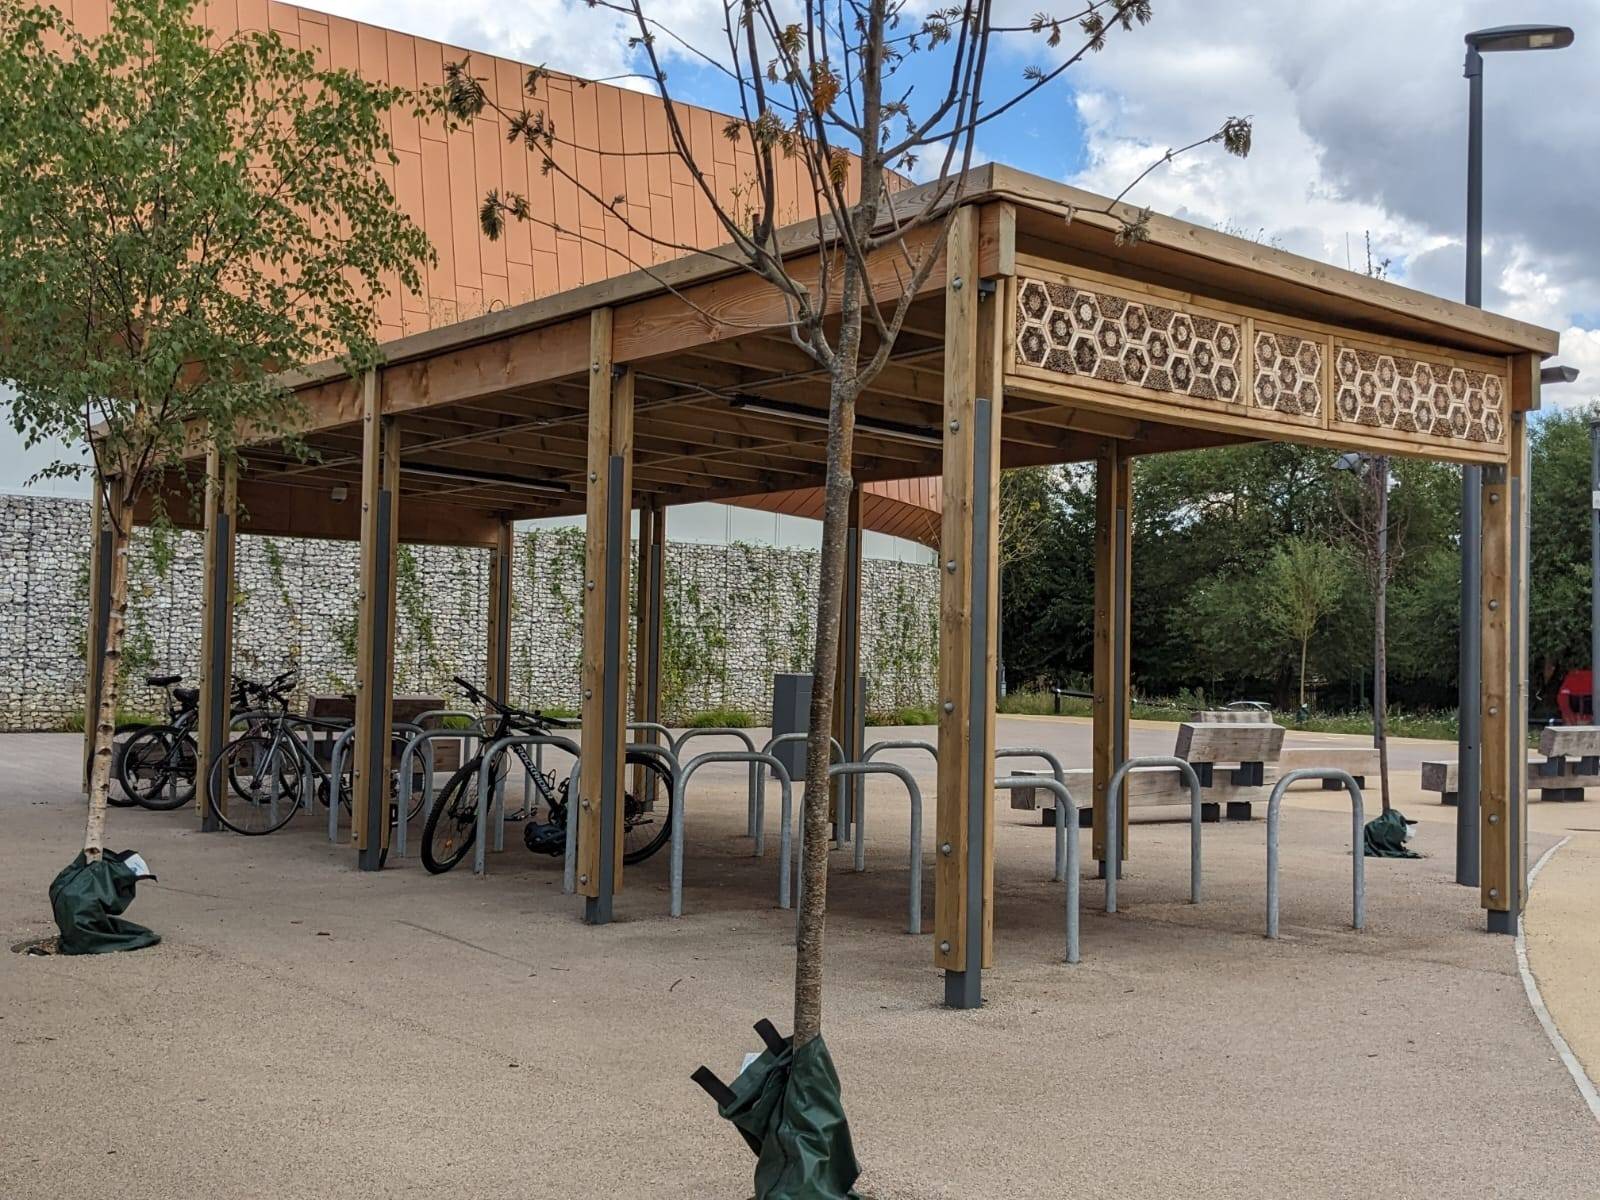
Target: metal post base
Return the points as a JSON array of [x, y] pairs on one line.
[[963, 989], [597, 910], [1100, 873], [1502, 922], [370, 859]]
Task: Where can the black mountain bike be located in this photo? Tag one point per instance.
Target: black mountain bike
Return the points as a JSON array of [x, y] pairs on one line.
[[272, 769], [156, 764], [452, 824]]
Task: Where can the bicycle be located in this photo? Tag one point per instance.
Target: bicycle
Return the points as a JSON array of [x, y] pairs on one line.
[[156, 765], [271, 772], [452, 824]]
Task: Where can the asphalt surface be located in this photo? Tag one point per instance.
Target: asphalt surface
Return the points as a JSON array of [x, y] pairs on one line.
[[304, 1030]]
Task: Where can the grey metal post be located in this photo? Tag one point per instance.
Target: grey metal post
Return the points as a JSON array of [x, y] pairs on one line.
[[219, 689], [964, 988], [375, 778], [1594, 566], [597, 908], [1118, 699], [1470, 678], [95, 652]]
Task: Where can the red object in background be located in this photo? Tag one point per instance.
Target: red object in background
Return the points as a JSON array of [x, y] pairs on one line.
[[1576, 698]]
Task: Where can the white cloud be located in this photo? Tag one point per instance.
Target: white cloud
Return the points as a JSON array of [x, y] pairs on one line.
[[1360, 125]]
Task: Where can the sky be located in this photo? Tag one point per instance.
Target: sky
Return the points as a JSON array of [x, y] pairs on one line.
[[1360, 130]]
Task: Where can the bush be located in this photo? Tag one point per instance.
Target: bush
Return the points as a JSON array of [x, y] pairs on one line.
[[722, 718]]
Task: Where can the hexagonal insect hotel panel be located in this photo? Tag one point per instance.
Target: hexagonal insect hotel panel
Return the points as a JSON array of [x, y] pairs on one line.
[[1071, 330]]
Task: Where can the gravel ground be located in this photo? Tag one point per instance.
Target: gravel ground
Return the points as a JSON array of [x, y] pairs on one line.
[[304, 1030]]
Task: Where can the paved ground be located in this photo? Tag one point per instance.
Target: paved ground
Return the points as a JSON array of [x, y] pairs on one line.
[[307, 1031]]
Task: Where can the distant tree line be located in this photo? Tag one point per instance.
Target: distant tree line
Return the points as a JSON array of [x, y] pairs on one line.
[[1247, 562]]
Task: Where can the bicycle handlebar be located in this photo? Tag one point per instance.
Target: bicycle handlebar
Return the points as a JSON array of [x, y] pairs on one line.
[[534, 720]]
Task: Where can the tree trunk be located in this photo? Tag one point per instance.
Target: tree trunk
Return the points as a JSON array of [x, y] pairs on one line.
[[824, 673], [119, 512], [1380, 640], [1305, 644]]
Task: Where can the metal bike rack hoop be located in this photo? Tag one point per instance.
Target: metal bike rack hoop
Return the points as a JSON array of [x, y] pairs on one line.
[[1064, 802], [1060, 774], [1358, 886], [1114, 819], [760, 781], [490, 755], [914, 919], [685, 773]]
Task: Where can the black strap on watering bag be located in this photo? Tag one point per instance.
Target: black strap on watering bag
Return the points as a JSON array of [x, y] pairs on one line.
[[787, 1107]]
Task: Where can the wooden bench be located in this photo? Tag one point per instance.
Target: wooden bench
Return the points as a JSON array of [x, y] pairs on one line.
[[1569, 764], [1231, 759], [1359, 762]]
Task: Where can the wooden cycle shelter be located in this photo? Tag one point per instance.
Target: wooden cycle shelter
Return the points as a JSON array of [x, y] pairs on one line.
[[1037, 339]]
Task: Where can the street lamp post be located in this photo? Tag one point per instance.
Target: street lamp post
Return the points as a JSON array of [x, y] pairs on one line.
[[1484, 41]]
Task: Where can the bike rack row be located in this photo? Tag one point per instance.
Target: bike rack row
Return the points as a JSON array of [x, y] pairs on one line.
[[792, 830]]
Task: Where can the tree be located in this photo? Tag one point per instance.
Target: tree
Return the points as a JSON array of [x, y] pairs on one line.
[[844, 87], [1304, 581], [181, 218]]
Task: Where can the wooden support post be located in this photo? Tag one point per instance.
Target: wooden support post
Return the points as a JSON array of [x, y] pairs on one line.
[[216, 627], [968, 555], [1503, 807], [1113, 564], [94, 642], [374, 718], [647, 634], [605, 618], [497, 670], [848, 698]]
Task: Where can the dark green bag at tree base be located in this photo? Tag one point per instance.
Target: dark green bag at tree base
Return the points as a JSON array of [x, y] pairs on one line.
[[1385, 836], [787, 1106], [88, 900]]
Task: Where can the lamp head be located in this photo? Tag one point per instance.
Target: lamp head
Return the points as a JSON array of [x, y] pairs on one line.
[[1520, 37]]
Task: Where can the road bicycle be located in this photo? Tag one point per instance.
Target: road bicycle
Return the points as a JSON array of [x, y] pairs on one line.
[[156, 763], [272, 771], [452, 824]]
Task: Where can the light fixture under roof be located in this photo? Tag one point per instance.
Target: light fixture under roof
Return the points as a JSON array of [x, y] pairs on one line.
[[919, 435], [486, 478]]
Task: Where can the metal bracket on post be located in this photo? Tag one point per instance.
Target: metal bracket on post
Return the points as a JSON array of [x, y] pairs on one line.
[[597, 909], [964, 988], [219, 689], [375, 778]]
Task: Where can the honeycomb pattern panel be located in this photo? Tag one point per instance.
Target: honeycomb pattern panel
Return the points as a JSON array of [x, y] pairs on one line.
[[1288, 374], [1071, 330], [1388, 390]]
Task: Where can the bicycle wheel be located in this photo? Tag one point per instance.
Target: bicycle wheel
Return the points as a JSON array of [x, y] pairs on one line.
[[264, 777], [156, 771], [119, 744], [418, 773], [646, 829], [453, 821]]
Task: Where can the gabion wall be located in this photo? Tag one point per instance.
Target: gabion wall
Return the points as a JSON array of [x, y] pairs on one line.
[[733, 616]]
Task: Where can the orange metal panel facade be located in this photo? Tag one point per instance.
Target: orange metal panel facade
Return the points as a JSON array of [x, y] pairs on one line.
[[441, 179]]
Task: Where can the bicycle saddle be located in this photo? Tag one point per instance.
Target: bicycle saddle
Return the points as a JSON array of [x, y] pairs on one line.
[[186, 696], [161, 680]]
